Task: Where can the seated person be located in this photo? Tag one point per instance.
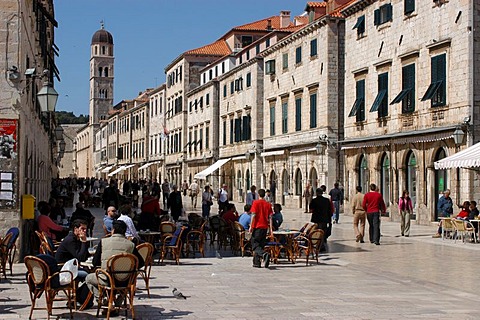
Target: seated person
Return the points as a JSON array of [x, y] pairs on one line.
[[473, 210], [195, 220], [109, 218], [246, 218], [108, 247], [465, 212], [75, 245], [45, 224], [125, 212], [230, 214], [277, 217], [83, 214]]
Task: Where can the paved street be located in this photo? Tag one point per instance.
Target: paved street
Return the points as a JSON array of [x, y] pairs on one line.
[[413, 278]]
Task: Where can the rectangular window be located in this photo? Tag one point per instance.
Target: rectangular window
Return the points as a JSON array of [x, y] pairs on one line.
[[360, 26], [248, 55], [257, 49], [246, 128], [383, 14], [190, 142], [238, 129], [223, 67], [285, 61], [313, 48], [272, 119], [409, 6], [381, 101], [358, 109], [195, 140], [190, 106], [313, 110], [298, 114], [210, 74], [207, 137], [200, 141], [231, 131], [216, 71], [224, 90], [407, 95], [246, 40], [224, 132], [249, 80], [436, 91], [207, 99], [267, 42], [204, 77], [284, 116], [232, 87], [298, 55], [270, 67], [240, 59]]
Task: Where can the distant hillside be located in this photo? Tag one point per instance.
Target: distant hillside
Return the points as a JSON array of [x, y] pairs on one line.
[[64, 117]]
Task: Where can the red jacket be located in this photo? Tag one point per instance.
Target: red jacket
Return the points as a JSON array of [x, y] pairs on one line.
[[373, 202]]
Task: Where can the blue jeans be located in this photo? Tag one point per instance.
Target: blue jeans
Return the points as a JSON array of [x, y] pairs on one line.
[[336, 204], [206, 210]]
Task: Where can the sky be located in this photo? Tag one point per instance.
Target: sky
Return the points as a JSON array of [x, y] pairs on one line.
[[147, 36]]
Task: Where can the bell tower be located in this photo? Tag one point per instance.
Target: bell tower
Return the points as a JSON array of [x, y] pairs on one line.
[[101, 75]]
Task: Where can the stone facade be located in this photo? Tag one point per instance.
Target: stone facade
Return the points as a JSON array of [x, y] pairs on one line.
[[67, 164], [412, 49]]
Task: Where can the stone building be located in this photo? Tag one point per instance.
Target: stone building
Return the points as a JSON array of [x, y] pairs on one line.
[[67, 163], [410, 76], [303, 106], [28, 146]]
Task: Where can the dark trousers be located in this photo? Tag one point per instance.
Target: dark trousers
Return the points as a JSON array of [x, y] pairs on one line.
[[165, 199], [259, 239], [374, 226]]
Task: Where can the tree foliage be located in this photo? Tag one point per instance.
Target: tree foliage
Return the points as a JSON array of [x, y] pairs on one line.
[[64, 117]]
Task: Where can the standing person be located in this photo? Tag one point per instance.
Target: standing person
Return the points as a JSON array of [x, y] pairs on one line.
[[84, 214], [268, 197], [185, 187], [150, 213], [96, 186], [207, 202], [165, 192], [373, 205], [156, 189], [445, 205], [126, 188], [194, 189], [252, 195], [222, 198], [175, 203], [135, 189], [405, 208], [321, 210], [261, 213], [358, 215], [336, 195], [308, 195], [110, 196]]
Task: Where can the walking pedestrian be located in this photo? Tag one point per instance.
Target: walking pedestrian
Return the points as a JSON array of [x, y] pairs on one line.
[[373, 205], [207, 202], [405, 208], [321, 210], [165, 192], [308, 195], [261, 213], [194, 189], [358, 215], [336, 195]]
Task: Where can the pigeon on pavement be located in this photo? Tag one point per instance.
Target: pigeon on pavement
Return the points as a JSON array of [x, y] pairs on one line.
[[218, 255], [178, 294]]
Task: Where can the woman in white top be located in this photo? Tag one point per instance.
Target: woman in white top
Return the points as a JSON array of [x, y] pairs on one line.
[[207, 202]]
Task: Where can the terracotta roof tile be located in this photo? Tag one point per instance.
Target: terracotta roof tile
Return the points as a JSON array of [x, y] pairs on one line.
[[302, 19], [316, 4], [218, 48], [260, 25]]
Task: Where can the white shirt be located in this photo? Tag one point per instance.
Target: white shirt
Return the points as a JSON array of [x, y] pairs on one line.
[[131, 231], [250, 197], [223, 195], [194, 188]]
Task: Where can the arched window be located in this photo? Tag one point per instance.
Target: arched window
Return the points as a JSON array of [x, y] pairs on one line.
[[239, 180], [103, 50], [314, 179], [105, 94], [298, 182], [106, 71], [363, 173], [247, 180], [411, 176], [100, 71], [385, 178]]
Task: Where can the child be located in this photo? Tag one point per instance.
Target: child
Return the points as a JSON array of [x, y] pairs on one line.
[[277, 217]]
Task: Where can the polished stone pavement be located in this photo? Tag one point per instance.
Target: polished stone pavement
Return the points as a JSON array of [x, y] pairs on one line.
[[404, 278]]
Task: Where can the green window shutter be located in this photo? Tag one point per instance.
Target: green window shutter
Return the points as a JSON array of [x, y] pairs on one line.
[[298, 114], [298, 55], [224, 133], [224, 90], [389, 12], [313, 48], [383, 87], [249, 79], [285, 61], [360, 90], [409, 6], [408, 81], [313, 110], [376, 17], [284, 117], [272, 120], [231, 131], [439, 63]]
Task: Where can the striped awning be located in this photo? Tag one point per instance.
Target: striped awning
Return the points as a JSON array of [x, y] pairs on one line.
[[467, 158]]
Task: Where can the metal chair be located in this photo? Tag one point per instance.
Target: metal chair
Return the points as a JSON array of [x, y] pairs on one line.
[[4, 253], [118, 279], [42, 281], [12, 247], [196, 238], [146, 251], [173, 244]]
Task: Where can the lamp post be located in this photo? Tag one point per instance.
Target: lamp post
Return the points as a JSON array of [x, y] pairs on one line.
[[59, 133], [458, 135], [47, 96]]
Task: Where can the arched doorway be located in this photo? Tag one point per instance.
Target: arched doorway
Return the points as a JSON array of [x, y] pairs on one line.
[[239, 184], [441, 179], [314, 179], [273, 184], [385, 178], [247, 180], [363, 173], [411, 177], [285, 185], [298, 186]]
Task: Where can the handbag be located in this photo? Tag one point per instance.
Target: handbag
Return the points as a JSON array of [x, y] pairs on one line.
[[72, 266]]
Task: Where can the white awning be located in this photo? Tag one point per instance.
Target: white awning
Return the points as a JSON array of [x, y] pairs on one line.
[[119, 169], [129, 166], [202, 175], [98, 169], [272, 153], [146, 165], [239, 158], [105, 170], [467, 158]]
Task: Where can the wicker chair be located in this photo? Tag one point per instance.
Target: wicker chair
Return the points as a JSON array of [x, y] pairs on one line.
[[196, 238], [447, 228], [41, 281], [167, 228], [12, 247], [119, 278], [241, 243], [173, 244], [463, 230], [146, 251], [310, 245], [214, 228]]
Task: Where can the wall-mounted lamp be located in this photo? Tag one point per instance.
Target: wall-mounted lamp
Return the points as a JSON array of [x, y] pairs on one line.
[[458, 135], [61, 146], [47, 96], [59, 133]]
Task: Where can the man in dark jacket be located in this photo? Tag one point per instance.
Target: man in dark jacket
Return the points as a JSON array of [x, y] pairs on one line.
[[175, 203], [321, 210], [110, 196]]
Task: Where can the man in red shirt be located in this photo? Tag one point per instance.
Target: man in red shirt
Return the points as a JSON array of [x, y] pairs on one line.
[[261, 213], [373, 205]]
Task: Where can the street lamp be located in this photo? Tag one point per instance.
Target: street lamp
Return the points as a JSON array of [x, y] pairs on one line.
[[59, 133], [62, 145], [47, 96], [320, 148], [458, 135]]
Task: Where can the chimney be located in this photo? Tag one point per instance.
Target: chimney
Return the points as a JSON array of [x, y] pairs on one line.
[[269, 24], [284, 19]]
